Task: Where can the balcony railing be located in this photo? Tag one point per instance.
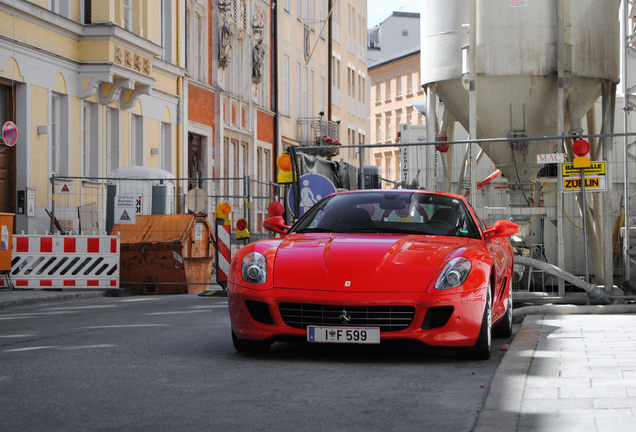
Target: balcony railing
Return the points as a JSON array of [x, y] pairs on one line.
[[318, 136], [318, 132], [310, 129]]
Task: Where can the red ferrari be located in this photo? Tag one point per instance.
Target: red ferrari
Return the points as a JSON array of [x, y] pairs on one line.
[[364, 267]]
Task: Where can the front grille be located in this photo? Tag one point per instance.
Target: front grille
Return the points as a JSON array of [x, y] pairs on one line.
[[387, 318]]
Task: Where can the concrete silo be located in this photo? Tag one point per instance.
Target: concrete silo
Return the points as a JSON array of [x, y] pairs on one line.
[[521, 68], [516, 68]]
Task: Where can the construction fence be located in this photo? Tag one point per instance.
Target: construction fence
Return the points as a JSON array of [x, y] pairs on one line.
[[573, 222], [530, 180], [160, 229]]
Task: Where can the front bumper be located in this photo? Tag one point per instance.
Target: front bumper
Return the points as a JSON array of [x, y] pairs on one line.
[[450, 319]]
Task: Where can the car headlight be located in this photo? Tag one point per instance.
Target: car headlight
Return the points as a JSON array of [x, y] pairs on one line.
[[454, 274], [254, 268]]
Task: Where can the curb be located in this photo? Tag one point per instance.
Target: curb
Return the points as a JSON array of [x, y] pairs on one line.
[[502, 408], [61, 296]]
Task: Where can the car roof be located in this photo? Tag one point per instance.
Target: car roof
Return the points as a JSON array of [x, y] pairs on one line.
[[402, 191]]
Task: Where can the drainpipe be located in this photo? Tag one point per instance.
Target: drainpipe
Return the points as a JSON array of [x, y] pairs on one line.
[[277, 142], [329, 58]]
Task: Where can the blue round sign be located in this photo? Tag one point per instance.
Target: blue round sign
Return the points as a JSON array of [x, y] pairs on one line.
[[313, 188]]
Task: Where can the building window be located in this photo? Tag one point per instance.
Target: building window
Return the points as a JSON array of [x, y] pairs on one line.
[[378, 127], [388, 90], [322, 94], [377, 93], [55, 134], [388, 128], [136, 140], [399, 86], [166, 146], [86, 12], [166, 29], [323, 14], [90, 140], [286, 85], [353, 83], [111, 139], [409, 83], [128, 14], [374, 38], [299, 86], [196, 57], [305, 91], [362, 86]]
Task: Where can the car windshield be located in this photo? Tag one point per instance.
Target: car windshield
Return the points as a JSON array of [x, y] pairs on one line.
[[389, 212]]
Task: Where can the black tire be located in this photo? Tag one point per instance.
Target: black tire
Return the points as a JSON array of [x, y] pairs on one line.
[[504, 328], [481, 349], [250, 346]]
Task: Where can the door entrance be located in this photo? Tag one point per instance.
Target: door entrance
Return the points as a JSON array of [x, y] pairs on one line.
[[7, 154]]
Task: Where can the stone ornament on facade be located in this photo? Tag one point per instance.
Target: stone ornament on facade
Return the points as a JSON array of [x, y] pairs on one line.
[[258, 51], [132, 60], [119, 55], [307, 45], [128, 59], [225, 47], [258, 55]]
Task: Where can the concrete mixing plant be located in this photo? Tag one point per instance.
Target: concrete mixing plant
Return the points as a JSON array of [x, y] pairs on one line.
[[520, 81]]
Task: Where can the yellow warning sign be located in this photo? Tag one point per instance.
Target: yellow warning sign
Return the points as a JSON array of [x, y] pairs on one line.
[[592, 184], [595, 168]]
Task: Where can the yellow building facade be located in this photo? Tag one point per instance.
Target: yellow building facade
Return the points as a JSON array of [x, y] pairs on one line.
[[394, 91], [92, 86]]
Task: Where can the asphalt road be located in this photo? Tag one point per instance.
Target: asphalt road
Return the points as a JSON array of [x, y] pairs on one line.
[[166, 363]]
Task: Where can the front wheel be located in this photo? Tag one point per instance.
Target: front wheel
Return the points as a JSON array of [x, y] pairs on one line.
[[504, 328], [250, 346], [481, 349]]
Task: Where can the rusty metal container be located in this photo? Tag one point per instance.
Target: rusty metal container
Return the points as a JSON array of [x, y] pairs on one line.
[[166, 254], [6, 240]]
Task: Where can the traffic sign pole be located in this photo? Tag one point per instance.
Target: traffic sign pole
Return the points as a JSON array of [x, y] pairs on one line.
[[584, 206]]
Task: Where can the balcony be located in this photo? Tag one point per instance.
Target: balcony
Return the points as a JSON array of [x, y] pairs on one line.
[[318, 136]]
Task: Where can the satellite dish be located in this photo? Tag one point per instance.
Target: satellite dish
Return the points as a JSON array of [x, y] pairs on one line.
[[196, 200]]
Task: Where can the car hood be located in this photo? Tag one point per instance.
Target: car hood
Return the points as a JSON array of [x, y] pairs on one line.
[[361, 262]]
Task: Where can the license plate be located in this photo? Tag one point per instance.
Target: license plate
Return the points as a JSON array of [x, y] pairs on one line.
[[360, 335]]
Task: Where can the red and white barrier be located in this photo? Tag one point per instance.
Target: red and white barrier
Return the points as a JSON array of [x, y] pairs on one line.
[[224, 254], [56, 261]]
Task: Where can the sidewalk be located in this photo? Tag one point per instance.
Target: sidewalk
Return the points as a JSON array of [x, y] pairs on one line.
[[567, 372]]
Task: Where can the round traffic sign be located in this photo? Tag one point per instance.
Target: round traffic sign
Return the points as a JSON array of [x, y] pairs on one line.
[[313, 187], [581, 147], [10, 133]]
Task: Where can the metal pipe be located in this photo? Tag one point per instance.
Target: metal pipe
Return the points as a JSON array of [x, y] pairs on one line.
[[472, 93], [560, 130], [626, 194]]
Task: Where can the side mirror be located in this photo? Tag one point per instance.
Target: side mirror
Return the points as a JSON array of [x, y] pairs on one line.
[[276, 224], [502, 228]]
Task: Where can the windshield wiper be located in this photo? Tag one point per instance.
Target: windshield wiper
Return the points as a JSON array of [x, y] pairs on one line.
[[360, 230], [314, 230]]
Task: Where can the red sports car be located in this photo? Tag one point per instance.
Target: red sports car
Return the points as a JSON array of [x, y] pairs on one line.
[[376, 265]]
